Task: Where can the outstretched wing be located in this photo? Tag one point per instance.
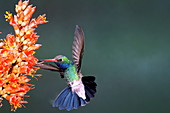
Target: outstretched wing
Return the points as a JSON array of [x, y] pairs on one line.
[[50, 67], [78, 47]]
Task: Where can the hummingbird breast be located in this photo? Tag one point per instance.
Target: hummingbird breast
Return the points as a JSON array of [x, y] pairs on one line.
[[71, 73]]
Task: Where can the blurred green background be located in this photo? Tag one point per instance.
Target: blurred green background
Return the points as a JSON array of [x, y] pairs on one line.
[[127, 48]]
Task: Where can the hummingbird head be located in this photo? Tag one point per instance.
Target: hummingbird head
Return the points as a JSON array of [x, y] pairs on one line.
[[61, 61]]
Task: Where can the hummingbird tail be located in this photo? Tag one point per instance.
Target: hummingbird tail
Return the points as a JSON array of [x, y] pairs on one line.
[[69, 100]]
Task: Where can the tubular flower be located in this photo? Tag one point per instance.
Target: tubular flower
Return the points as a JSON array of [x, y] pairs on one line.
[[17, 55]]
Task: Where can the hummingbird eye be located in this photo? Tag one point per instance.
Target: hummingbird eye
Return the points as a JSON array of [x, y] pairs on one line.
[[60, 60]]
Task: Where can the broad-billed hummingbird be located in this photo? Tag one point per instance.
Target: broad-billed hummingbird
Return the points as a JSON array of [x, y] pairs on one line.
[[80, 88]]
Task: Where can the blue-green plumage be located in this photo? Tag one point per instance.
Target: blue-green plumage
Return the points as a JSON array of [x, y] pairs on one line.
[[63, 66], [71, 73], [70, 70]]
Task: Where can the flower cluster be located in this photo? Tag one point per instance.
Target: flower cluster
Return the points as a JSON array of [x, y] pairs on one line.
[[17, 58]]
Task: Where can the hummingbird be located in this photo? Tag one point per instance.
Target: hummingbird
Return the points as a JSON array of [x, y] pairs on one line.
[[80, 89]]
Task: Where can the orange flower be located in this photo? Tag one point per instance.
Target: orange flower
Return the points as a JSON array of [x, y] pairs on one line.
[[17, 55]]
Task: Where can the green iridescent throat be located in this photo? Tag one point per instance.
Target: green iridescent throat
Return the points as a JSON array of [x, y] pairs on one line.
[[71, 73]]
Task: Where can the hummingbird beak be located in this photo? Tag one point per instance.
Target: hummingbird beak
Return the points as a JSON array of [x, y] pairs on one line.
[[50, 60]]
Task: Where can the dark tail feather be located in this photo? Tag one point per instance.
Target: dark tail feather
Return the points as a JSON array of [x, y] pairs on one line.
[[90, 87], [70, 100]]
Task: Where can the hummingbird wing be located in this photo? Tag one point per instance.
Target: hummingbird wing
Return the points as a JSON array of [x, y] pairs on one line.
[[78, 47], [50, 67]]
